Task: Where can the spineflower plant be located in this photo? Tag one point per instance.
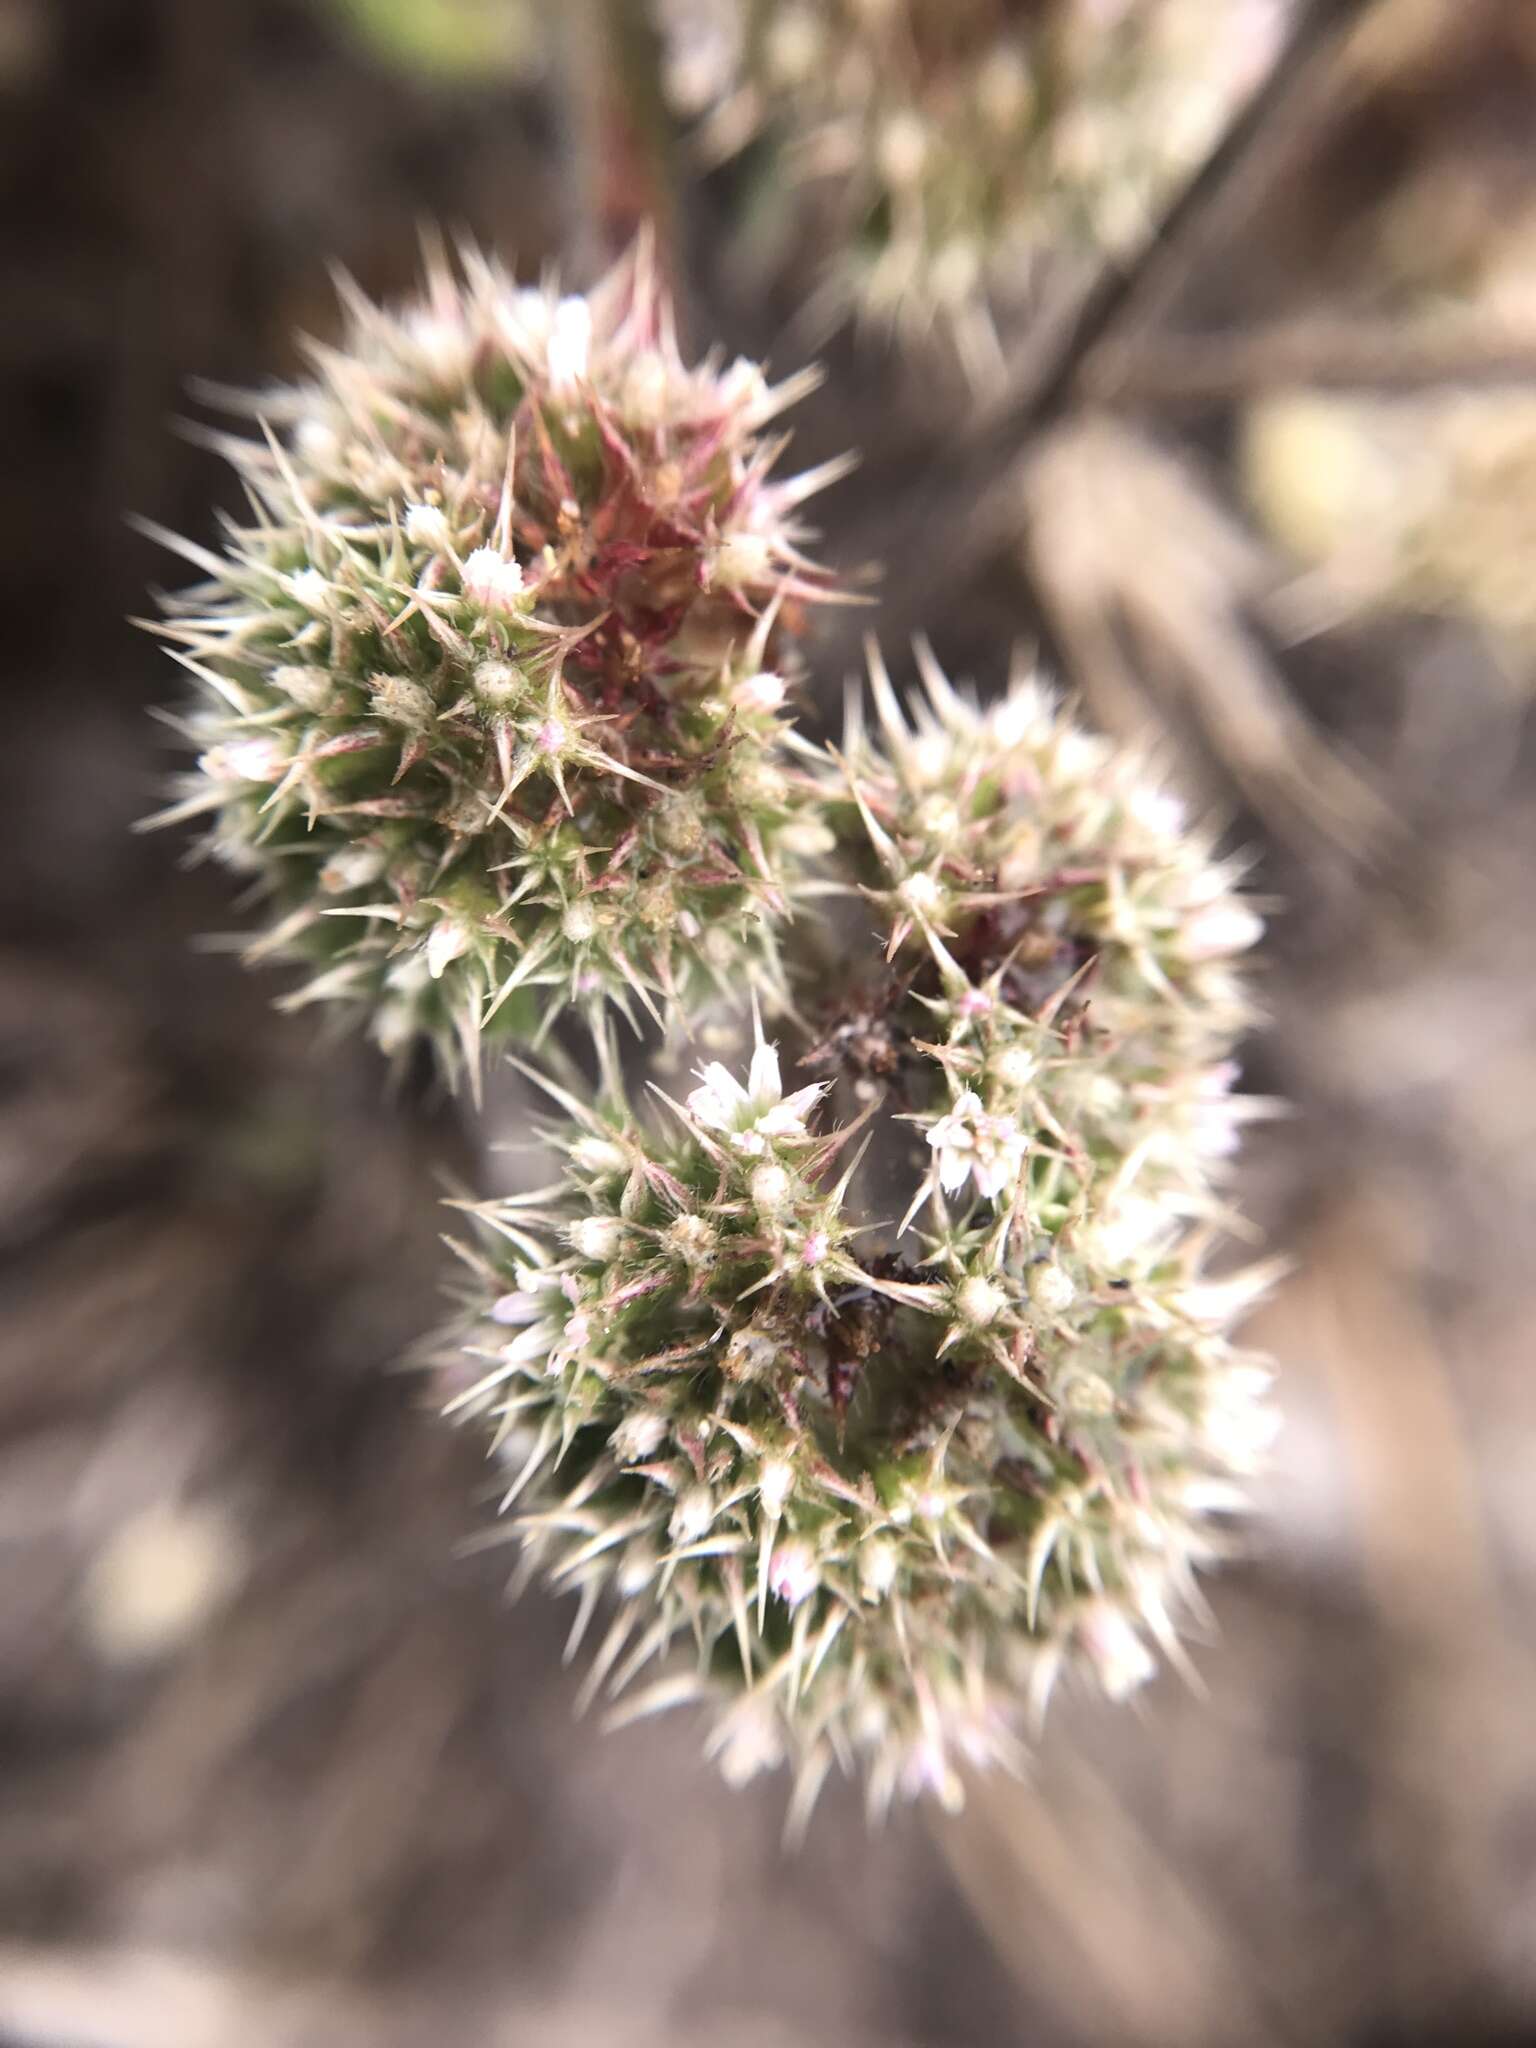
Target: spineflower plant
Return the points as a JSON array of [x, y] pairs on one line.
[[492, 673], [874, 1379], [863, 1409]]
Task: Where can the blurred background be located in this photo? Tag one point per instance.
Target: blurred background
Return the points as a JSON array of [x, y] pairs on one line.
[[278, 1764]]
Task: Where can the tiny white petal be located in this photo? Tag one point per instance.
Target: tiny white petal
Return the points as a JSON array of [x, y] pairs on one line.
[[517, 1307], [763, 1082], [445, 942]]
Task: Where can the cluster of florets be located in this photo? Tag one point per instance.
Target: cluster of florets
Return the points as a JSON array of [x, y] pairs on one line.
[[866, 1474], [949, 149], [492, 676], [1425, 503]]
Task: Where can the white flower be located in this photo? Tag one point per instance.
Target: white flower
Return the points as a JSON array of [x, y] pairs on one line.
[[520, 1306], [971, 1143], [750, 1117], [929, 759], [1078, 754], [440, 342], [1156, 811], [638, 1436], [877, 1568], [1214, 1116], [927, 1769], [491, 580], [1218, 930], [741, 559], [311, 589], [762, 692], [637, 1568], [1219, 1301], [317, 441], [743, 387], [807, 838], [255, 760], [352, 867], [1017, 717], [1131, 1225], [1239, 1423], [533, 1309], [746, 1741], [447, 941], [569, 348], [774, 1485], [692, 1515], [793, 1573], [1117, 1653], [402, 701]]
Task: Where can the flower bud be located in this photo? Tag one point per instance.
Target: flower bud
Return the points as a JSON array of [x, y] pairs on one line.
[[427, 526], [492, 580], [1050, 1288], [878, 1565], [771, 1188], [979, 1301], [692, 1515], [775, 1482], [597, 1237], [599, 1155], [639, 1435]]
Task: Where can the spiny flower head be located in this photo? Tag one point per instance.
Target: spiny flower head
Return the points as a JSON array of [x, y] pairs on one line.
[[1067, 939], [492, 675], [951, 149], [865, 1475]]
